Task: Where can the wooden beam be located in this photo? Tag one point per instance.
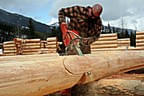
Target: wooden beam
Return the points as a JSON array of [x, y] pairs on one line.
[[38, 75]]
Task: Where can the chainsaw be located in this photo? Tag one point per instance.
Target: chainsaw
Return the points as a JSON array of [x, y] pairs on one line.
[[71, 40]]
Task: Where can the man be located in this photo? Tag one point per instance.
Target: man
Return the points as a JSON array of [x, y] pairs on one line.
[[84, 21]]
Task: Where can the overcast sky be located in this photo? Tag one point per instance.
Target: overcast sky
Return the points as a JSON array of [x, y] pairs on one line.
[[131, 11]]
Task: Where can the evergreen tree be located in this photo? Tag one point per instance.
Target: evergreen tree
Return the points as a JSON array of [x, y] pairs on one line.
[[109, 28], [31, 32]]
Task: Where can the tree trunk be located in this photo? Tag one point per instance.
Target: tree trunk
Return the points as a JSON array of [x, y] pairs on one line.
[[38, 75]]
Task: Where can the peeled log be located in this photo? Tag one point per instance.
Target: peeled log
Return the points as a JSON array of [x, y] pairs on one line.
[[38, 75]]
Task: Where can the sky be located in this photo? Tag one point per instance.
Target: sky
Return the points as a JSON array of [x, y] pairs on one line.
[[130, 12]]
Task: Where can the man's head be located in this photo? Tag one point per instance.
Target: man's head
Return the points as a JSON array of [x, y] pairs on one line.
[[96, 10]]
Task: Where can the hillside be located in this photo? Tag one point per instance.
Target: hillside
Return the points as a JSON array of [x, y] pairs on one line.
[[19, 20]]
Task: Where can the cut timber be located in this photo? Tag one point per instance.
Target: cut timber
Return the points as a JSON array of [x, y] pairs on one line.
[[104, 42], [31, 46], [135, 48], [108, 35], [9, 45], [51, 39], [139, 44], [139, 36], [104, 46], [9, 54], [108, 38], [9, 48], [38, 75], [124, 42], [31, 40], [140, 41], [109, 49], [8, 42], [139, 33], [51, 45]]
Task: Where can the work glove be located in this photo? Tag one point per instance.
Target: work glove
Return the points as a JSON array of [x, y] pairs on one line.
[[87, 41]]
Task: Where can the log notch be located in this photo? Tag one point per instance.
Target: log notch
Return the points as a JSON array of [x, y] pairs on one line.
[[39, 75]]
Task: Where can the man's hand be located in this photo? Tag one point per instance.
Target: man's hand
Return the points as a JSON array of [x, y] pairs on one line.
[[87, 41]]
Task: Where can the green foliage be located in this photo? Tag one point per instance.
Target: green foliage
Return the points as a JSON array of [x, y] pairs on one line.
[[7, 32], [31, 31], [133, 39]]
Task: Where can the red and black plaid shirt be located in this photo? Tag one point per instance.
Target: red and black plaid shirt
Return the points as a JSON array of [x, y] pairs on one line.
[[81, 22]]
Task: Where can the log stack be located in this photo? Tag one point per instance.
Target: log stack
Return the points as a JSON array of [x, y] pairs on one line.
[[105, 42], [9, 48], [31, 46], [139, 39], [51, 45], [124, 42]]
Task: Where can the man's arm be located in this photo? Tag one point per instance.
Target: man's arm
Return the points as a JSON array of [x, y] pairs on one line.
[[96, 31]]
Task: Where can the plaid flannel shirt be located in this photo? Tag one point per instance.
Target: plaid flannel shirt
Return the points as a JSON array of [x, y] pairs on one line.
[[81, 22]]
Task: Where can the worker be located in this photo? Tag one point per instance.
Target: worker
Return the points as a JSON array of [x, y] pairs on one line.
[[84, 21]]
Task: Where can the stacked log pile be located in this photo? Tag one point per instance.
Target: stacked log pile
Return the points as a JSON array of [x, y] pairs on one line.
[[31, 46], [9, 48], [124, 42], [51, 45], [105, 42], [139, 41]]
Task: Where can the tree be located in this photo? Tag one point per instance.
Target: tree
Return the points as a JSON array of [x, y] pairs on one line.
[[109, 28], [31, 32]]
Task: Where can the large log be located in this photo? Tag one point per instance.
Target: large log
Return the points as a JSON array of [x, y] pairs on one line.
[[38, 75]]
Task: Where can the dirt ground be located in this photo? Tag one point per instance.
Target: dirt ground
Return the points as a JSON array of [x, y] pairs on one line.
[[115, 85]]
